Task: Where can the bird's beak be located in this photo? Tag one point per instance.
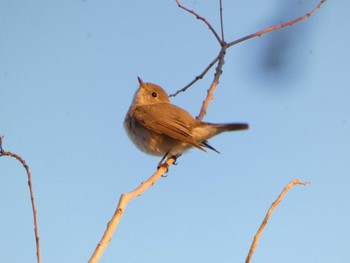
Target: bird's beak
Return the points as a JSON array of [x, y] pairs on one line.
[[140, 81]]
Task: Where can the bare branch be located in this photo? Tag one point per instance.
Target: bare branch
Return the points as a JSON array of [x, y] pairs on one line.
[[201, 18], [123, 201], [269, 29], [200, 76], [26, 167], [210, 92], [222, 42], [268, 214], [222, 24]]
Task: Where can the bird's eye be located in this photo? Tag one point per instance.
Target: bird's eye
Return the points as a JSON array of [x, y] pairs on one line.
[[154, 94]]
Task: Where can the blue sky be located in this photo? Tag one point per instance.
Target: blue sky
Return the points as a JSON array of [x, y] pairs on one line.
[[67, 76]]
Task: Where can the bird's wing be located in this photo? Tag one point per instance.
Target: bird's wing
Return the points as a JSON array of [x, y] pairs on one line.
[[168, 119]]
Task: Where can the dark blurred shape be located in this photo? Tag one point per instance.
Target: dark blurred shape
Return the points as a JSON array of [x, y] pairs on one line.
[[282, 53], [274, 56]]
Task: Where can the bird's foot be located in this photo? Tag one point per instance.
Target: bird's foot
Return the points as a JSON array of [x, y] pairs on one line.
[[165, 165]]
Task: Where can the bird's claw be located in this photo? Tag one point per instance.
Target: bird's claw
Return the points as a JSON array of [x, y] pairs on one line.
[[163, 165]]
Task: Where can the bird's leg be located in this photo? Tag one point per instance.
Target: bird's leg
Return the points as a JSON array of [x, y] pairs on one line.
[[163, 164]]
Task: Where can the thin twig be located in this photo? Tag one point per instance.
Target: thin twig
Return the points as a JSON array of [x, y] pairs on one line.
[[268, 214], [200, 76], [26, 167], [272, 28], [123, 201], [200, 18], [222, 24]]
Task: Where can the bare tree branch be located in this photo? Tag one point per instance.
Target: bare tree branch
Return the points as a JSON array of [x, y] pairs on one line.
[[222, 43], [210, 92], [268, 214], [225, 46], [123, 201], [26, 167], [272, 28], [200, 18], [200, 76], [222, 24]]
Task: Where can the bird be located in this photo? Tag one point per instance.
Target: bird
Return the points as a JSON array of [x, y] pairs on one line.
[[158, 127]]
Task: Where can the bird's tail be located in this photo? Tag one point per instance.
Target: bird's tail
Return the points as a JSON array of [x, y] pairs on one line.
[[209, 130], [219, 128]]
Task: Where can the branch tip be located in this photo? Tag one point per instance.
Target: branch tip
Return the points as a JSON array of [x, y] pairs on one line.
[[269, 213]]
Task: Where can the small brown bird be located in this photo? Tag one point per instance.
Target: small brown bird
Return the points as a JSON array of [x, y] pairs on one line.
[[160, 128]]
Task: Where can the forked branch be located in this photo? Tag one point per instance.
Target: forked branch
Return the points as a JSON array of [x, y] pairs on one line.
[[224, 46]]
